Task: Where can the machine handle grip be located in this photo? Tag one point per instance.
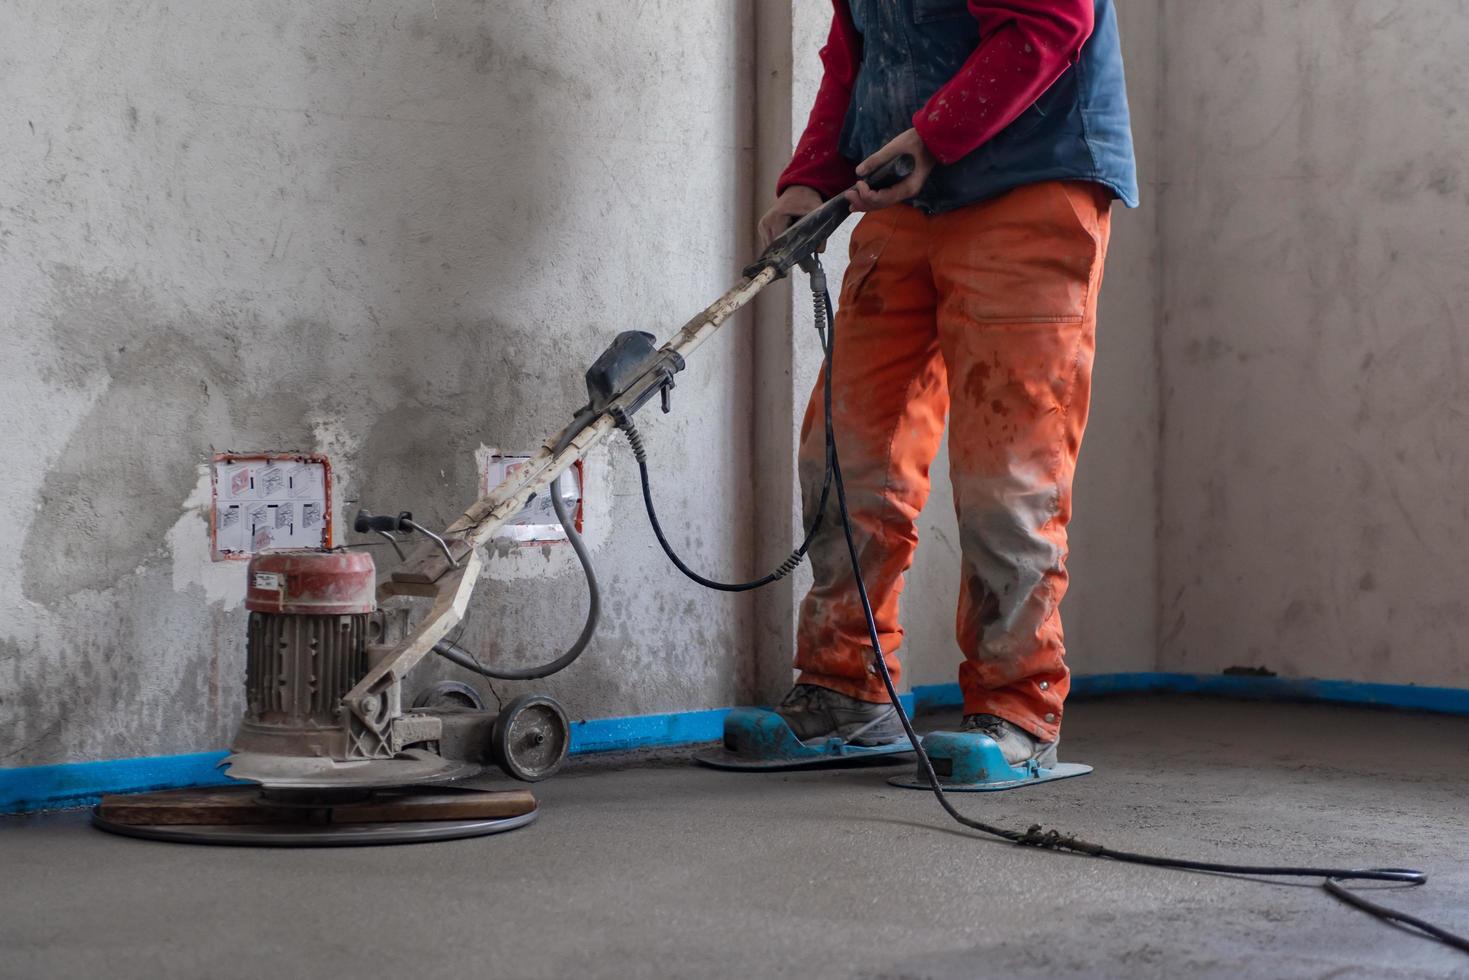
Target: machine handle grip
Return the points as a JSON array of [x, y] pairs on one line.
[[366, 523], [806, 236], [894, 172]]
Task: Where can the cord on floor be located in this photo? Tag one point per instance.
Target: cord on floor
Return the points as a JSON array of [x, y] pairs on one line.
[[1036, 836]]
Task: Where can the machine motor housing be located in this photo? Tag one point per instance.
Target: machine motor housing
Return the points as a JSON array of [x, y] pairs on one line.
[[307, 647], [314, 629]]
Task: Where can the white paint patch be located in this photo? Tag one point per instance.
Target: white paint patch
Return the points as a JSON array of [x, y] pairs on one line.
[[339, 443], [193, 564]]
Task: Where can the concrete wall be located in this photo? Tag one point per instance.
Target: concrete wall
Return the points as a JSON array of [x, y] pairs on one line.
[[1314, 347], [388, 232], [788, 353]]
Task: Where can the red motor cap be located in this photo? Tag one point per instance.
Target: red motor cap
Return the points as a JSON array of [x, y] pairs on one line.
[[311, 583]]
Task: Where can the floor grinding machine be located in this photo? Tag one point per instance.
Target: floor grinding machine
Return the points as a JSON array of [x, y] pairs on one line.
[[331, 751]]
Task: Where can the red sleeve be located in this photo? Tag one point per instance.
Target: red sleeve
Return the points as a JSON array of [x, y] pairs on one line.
[[1025, 45], [817, 162]]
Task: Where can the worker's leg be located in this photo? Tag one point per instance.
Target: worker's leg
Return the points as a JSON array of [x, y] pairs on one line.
[[1017, 279], [889, 397]]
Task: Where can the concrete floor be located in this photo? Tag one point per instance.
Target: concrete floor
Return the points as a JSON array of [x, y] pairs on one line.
[[653, 868]]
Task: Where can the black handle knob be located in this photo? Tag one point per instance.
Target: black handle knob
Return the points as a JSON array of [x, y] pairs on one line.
[[895, 171], [366, 523]]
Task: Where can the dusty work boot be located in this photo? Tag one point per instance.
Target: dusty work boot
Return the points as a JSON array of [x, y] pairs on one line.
[[1018, 744], [819, 713]]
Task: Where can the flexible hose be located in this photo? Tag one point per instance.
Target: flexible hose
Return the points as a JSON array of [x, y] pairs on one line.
[[1034, 836], [458, 655]]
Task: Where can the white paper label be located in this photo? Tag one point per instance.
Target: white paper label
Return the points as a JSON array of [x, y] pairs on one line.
[[268, 503], [268, 580]]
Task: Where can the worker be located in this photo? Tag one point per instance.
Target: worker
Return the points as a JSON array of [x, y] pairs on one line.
[[971, 296]]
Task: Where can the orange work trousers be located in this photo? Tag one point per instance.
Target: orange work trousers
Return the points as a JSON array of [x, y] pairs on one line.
[[987, 316]]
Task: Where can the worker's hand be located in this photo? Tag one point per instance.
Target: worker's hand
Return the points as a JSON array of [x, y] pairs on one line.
[[795, 202], [864, 198]]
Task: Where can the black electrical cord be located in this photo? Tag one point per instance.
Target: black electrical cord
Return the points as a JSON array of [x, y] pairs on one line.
[[1036, 836], [456, 654], [1334, 888], [792, 561]]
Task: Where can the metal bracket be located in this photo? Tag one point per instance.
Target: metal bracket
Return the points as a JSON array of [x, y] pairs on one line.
[[443, 545]]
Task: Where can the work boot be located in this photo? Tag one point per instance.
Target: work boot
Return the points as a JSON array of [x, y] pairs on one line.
[[1018, 745], [818, 713]]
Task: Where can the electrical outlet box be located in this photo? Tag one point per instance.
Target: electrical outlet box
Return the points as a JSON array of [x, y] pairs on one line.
[[537, 523]]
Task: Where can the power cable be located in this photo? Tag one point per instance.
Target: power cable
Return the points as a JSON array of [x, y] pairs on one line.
[[1037, 836]]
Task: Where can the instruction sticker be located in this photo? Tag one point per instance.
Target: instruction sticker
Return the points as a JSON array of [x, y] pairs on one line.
[[269, 581], [265, 502]]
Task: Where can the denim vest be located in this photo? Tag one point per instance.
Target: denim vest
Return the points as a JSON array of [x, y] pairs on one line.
[[1077, 130]]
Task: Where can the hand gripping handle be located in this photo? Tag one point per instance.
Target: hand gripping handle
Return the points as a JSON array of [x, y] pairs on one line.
[[807, 235], [892, 173]]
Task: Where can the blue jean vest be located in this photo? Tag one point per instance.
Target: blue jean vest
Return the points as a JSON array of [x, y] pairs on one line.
[[1077, 130]]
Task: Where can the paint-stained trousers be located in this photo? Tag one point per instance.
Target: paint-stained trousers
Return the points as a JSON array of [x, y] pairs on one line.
[[987, 316]]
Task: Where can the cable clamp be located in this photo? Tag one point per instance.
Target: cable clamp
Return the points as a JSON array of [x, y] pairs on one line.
[[1037, 836]]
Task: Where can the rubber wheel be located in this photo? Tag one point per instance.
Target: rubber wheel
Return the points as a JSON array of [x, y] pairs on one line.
[[530, 737], [449, 694]]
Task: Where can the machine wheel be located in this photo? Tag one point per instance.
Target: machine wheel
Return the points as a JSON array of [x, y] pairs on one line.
[[530, 737], [449, 694]]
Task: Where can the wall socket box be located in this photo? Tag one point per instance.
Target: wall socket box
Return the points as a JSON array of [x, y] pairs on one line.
[[537, 523]]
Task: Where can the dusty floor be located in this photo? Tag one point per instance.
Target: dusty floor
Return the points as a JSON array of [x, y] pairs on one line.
[[667, 870]]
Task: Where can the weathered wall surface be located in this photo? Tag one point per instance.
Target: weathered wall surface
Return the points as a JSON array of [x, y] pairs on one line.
[[1314, 343], [387, 232], [1109, 611]]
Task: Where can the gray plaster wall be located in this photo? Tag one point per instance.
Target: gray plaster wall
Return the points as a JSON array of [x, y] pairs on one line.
[[389, 232], [1314, 350]]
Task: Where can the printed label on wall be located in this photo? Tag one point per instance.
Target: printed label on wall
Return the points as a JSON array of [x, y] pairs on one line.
[[537, 523], [270, 501]]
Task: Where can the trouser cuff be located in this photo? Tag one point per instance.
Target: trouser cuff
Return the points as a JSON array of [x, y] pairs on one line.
[[1046, 727]]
